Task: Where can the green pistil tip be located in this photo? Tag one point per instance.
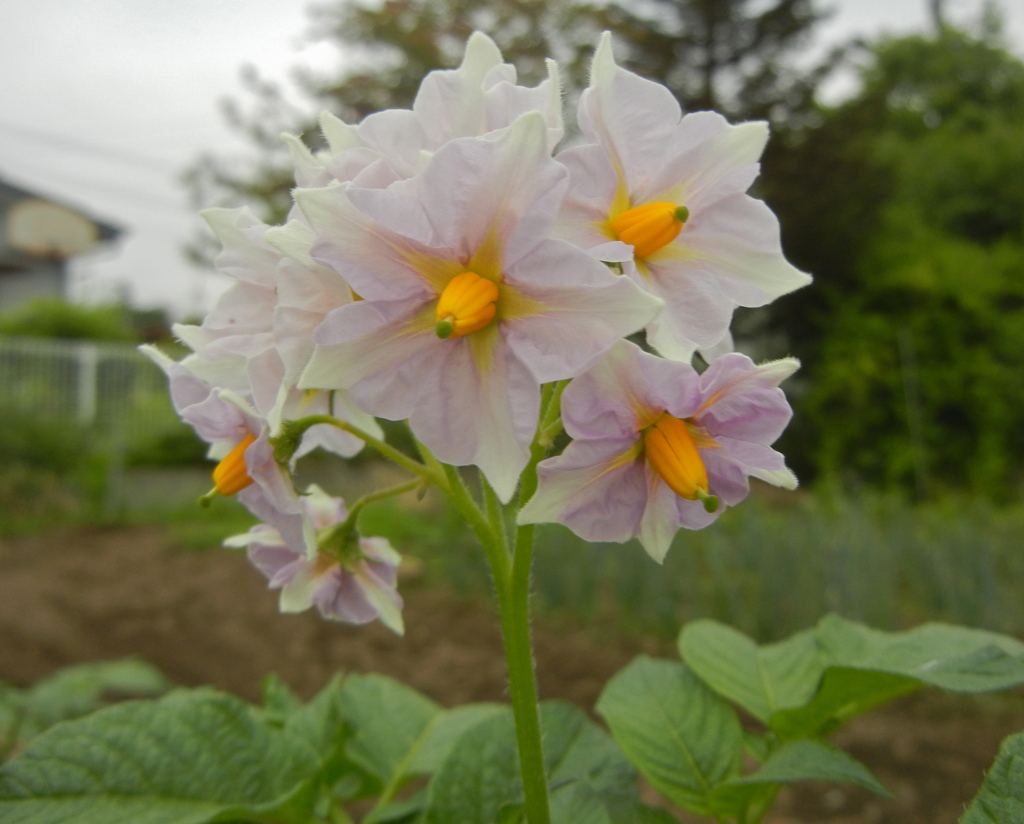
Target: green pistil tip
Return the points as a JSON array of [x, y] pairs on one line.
[[207, 499], [444, 329], [710, 501], [682, 214]]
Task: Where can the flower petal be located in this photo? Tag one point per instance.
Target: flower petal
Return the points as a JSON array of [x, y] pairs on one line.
[[625, 391], [504, 186], [377, 583], [479, 405], [371, 258], [738, 241], [696, 312], [378, 350], [633, 117], [581, 310], [595, 487]]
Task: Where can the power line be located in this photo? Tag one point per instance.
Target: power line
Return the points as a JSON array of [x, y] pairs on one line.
[[149, 197], [88, 147]]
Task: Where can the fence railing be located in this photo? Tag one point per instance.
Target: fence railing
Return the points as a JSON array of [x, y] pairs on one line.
[[109, 386], [109, 389]]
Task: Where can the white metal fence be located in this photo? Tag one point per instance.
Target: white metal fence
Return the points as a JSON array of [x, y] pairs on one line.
[[110, 387], [117, 394]]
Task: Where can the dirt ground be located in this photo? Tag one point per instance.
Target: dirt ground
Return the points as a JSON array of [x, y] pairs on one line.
[[207, 617]]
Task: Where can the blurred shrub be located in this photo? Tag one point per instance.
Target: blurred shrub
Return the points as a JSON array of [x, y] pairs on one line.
[[177, 446], [49, 471], [770, 567], [907, 203], [57, 318]]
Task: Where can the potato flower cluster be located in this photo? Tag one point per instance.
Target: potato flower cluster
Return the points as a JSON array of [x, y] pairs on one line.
[[442, 265]]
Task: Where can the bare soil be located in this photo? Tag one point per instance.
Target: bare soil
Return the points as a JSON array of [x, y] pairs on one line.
[[207, 618]]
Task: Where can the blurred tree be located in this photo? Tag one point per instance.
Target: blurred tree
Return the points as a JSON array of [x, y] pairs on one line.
[[732, 55], [907, 202]]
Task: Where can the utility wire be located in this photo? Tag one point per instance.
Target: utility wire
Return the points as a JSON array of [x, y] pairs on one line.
[[149, 197], [88, 147]]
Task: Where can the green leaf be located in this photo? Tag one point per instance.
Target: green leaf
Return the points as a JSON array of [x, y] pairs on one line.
[[185, 759], [748, 797], [758, 747], [430, 750], [678, 733], [644, 814], [80, 689], [866, 667], [444, 729], [588, 775], [844, 693], [320, 723], [480, 775], [577, 751], [405, 809], [1001, 798], [386, 719], [761, 679], [278, 699], [949, 657], [578, 803], [810, 760]]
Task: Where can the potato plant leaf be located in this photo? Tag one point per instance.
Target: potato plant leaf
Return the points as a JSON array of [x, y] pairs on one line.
[[810, 684], [589, 777], [386, 720], [681, 735], [761, 679], [1001, 798], [187, 758]]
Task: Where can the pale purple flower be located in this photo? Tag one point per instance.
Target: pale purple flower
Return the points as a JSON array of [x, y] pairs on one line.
[[603, 486], [225, 420], [356, 585], [258, 338], [481, 205], [478, 97], [640, 150]]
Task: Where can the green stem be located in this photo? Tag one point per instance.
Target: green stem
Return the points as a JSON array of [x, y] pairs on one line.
[[515, 615], [339, 533], [513, 595], [481, 527], [512, 582], [428, 457], [494, 512], [387, 492], [515, 620], [385, 449]]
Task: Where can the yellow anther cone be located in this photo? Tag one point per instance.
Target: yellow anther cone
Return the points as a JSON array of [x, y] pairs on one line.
[[468, 303], [650, 227], [673, 454], [231, 475]]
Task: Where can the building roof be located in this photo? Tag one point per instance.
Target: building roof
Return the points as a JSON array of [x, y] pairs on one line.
[[34, 227]]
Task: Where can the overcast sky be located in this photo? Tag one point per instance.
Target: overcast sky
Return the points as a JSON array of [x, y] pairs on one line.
[[104, 102]]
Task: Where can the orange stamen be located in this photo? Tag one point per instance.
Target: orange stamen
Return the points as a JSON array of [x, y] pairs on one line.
[[673, 454], [650, 227], [231, 475], [468, 303]]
